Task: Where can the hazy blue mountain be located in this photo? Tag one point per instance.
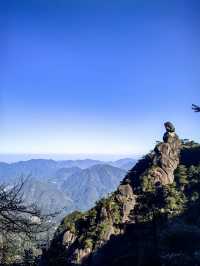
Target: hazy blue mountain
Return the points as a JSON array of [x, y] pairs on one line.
[[65, 185], [78, 190], [89, 185], [46, 196], [66, 172], [126, 163], [4, 171], [37, 168], [62, 175], [83, 164], [43, 168]]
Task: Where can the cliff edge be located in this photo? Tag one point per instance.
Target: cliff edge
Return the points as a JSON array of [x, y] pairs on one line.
[[126, 228]]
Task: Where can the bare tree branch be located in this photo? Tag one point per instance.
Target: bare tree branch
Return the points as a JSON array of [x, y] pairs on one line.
[[18, 217], [196, 108]]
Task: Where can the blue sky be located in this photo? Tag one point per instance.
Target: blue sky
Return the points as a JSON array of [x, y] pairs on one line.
[[97, 77]]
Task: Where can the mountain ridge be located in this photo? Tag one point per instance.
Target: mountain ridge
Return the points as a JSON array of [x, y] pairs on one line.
[[67, 189], [155, 201], [44, 168]]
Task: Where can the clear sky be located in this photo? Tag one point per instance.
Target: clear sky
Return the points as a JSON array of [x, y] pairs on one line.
[[97, 77]]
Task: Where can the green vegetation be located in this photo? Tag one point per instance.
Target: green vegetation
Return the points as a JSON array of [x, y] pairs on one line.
[[177, 204], [116, 213], [70, 222], [103, 229], [181, 175], [166, 218], [88, 243]]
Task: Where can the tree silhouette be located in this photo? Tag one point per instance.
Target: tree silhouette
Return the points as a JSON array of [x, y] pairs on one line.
[[18, 217], [19, 222], [196, 108]]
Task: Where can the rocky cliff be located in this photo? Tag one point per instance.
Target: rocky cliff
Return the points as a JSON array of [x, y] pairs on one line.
[[123, 229]]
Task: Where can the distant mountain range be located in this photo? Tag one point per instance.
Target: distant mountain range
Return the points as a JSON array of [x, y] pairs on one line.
[[65, 185], [87, 186], [42, 168]]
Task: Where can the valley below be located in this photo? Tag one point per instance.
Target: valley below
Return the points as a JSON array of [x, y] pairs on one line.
[[65, 186]]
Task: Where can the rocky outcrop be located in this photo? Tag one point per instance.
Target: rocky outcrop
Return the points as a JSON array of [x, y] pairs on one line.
[[68, 239], [107, 233], [159, 165], [113, 215], [127, 199], [80, 256], [165, 157]]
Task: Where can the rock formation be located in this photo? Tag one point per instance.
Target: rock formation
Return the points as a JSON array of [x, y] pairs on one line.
[[111, 216], [165, 157], [127, 199]]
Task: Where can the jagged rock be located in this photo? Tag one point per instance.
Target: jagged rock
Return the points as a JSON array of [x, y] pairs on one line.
[[165, 157], [68, 239], [103, 214], [127, 199], [80, 256], [107, 234], [125, 191]]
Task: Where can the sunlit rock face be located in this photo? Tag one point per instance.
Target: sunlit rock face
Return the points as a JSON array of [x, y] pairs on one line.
[[127, 199], [68, 239], [159, 165], [166, 156]]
